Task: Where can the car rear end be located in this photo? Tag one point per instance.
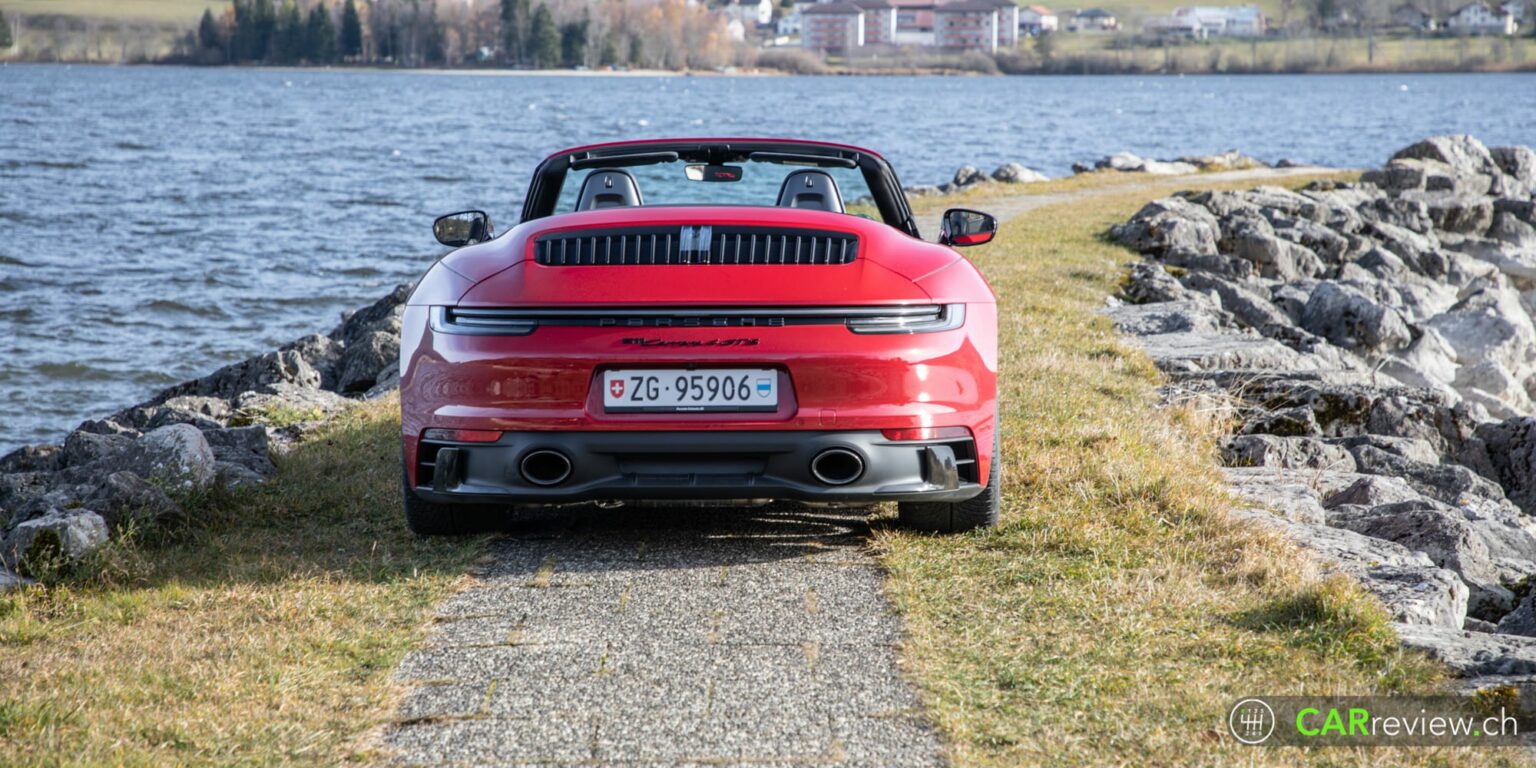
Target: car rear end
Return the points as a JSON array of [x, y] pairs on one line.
[[699, 353]]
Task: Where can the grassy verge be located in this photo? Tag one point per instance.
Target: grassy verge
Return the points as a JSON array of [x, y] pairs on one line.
[[1117, 613], [265, 634]]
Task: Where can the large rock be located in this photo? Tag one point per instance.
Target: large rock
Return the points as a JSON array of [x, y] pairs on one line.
[[1265, 450], [1472, 654], [1192, 351], [1422, 596], [365, 359], [1014, 173], [1469, 162], [1170, 226], [1348, 318], [1446, 537], [1168, 317], [1251, 308], [69, 533], [1511, 451], [177, 456], [124, 496], [31, 458], [967, 175], [1254, 239], [1449, 483], [1490, 323]]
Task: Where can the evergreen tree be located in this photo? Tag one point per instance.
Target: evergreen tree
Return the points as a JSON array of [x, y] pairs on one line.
[[609, 53], [351, 31], [435, 45], [6, 40], [209, 36], [573, 42], [514, 30], [320, 35], [636, 50], [546, 39], [288, 36], [264, 19]]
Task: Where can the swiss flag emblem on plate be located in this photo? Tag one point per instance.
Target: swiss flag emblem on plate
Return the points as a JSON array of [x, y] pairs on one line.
[[616, 386]]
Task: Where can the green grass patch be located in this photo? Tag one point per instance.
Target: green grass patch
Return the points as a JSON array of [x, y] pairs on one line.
[[263, 632], [1118, 612]]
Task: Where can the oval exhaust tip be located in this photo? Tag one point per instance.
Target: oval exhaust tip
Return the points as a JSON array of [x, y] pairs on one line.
[[837, 466], [546, 467]]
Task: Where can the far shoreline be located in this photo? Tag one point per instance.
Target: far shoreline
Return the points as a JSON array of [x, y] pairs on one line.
[[1520, 69]]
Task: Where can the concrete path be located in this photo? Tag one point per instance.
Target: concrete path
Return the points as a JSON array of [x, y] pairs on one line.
[[682, 636]]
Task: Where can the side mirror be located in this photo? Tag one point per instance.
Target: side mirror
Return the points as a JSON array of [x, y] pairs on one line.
[[962, 227], [463, 228]]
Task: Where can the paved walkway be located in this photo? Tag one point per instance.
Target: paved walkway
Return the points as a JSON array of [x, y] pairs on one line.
[[684, 636]]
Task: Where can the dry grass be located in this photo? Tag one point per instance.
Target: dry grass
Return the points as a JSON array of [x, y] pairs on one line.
[[1108, 54], [1118, 613], [180, 12], [265, 635]]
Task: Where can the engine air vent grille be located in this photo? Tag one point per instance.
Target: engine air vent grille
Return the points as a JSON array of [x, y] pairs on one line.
[[705, 244]]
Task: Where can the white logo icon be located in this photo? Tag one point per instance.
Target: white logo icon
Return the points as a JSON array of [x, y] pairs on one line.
[[1251, 721]]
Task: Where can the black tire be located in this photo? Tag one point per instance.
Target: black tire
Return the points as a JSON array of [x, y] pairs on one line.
[[426, 518], [980, 511]]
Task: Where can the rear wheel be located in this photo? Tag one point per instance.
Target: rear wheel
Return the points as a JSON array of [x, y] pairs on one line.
[[980, 511], [426, 518]]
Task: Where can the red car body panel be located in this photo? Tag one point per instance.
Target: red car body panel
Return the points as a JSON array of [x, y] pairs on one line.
[[831, 377]]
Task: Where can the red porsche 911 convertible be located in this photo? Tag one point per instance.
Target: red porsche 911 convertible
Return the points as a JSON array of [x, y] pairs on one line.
[[703, 319]]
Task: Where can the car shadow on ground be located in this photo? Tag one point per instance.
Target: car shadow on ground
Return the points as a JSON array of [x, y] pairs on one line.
[[658, 536]]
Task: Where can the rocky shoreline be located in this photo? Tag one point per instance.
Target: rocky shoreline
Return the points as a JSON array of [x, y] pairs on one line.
[[139, 465], [969, 176], [1371, 347]]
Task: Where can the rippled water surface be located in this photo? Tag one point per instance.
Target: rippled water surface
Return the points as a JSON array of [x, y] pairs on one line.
[[158, 222]]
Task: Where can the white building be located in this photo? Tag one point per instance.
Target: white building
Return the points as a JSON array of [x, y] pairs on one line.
[[1035, 19], [1481, 19], [751, 13], [1203, 21]]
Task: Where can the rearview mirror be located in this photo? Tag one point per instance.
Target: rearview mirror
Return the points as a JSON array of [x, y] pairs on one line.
[[702, 172], [962, 227], [463, 228]]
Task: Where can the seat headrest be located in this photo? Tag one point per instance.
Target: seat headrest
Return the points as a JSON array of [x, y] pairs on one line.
[[810, 189], [608, 188]]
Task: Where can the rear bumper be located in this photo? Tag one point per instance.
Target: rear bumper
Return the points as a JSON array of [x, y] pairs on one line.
[[697, 465]]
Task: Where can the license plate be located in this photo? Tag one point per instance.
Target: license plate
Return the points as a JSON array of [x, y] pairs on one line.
[[681, 391]]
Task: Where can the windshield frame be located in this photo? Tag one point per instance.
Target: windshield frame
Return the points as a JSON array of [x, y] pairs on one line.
[[550, 176]]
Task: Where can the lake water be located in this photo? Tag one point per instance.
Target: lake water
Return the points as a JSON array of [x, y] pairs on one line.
[[156, 223]]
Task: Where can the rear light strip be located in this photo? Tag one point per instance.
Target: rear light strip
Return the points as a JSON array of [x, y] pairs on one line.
[[519, 321]]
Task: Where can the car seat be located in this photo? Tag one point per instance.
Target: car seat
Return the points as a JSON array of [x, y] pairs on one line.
[[608, 188], [810, 189]]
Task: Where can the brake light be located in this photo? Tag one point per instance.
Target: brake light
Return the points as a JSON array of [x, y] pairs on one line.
[[921, 319], [926, 433], [462, 435]]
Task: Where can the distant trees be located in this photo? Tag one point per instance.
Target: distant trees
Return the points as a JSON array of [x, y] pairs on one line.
[[5, 32], [351, 31], [670, 34]]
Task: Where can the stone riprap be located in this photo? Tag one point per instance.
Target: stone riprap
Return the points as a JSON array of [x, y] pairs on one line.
[[134, 464], [1127, 162], [667, 636], [1372, 346]]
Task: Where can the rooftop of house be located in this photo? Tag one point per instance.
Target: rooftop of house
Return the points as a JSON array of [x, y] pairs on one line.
[[967, 6], [1094, 13], [1040, 9], [872, 5], [841, 8]]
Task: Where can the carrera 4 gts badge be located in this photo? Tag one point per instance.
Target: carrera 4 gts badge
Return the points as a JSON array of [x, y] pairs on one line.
[[639, 342]]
